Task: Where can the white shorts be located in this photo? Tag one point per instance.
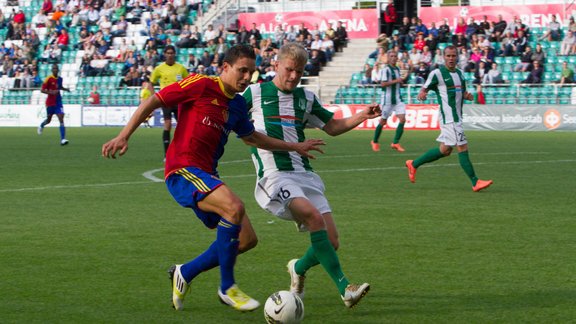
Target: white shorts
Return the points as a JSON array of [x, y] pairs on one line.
[[275, 192], [399, 109], [452, 134]]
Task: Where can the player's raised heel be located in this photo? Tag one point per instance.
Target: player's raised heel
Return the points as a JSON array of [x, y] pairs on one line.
[[354, 293], [40, 130], [64, 142], [375, 146], [179, 286], [482, 184], [397, 147], [296, 280], [411, 170], [237, 299]]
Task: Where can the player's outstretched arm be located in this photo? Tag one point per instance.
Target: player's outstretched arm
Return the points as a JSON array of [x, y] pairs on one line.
[[264, 142], [119, 144], [339, 126]]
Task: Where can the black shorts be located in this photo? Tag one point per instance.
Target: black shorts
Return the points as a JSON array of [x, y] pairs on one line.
[[169, 112]]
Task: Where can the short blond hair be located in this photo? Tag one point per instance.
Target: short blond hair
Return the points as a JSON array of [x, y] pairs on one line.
[[293, 51]]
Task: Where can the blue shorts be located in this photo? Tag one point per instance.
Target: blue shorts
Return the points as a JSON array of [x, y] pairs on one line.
[[54, 110], [188, 186]]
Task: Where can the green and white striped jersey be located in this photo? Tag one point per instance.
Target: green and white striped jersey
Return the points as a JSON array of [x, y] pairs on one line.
[[390, 94], [283, 115], [450, 88]]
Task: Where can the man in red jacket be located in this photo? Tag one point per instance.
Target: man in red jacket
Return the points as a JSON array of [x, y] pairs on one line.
[[389, 16]]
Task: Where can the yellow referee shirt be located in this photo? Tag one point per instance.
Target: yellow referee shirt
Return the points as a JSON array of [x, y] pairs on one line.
[[168, 74]]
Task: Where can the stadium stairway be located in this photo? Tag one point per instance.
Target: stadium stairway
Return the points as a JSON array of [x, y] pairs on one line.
[[337, 72]]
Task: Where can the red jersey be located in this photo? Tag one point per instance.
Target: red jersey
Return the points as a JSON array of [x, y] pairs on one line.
[[50, 83], [206, 115]]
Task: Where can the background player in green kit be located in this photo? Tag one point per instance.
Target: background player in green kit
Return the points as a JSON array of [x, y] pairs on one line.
[[287, 186], [448, 83], [391, 101]]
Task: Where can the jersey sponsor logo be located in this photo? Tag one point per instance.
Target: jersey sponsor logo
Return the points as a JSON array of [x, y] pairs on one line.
[[209, 122]]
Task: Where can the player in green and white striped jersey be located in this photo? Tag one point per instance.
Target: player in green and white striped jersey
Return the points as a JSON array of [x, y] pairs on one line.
[[391, 101], [287, 186], [448, 83]]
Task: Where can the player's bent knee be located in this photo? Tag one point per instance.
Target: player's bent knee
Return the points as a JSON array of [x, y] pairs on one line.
[[234, 211]]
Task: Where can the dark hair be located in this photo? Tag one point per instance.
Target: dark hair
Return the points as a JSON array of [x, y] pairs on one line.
[[170, 47], [237, 52]]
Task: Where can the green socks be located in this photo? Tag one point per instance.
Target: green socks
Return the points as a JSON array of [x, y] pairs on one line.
[[399, 132], [322, 252], [467, 166], [377, 133], [430, 156]]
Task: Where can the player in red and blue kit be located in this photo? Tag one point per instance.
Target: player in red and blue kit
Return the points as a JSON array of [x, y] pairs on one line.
[[209, 108], [52, 86]]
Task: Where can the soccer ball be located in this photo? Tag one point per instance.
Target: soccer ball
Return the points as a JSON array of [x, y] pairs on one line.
[[283, 307]]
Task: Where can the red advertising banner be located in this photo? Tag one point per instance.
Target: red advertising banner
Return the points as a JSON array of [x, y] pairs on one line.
[[361, 23], [421, 117], [531, 15]]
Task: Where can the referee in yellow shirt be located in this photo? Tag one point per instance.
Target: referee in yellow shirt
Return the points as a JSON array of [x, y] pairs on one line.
[[168, 73]]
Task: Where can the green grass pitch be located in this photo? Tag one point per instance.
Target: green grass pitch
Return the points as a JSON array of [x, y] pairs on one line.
[[89, 240]]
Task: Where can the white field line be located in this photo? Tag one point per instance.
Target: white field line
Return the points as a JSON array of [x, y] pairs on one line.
[[153, 179]]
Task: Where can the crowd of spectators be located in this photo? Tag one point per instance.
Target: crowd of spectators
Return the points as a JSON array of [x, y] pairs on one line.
[[96, 24], [478, 43]]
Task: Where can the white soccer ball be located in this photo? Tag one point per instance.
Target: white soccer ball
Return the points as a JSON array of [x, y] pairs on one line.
[[283, 307]]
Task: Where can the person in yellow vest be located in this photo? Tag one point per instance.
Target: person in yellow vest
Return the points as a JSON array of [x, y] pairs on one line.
[[166, 74], [146, 91]]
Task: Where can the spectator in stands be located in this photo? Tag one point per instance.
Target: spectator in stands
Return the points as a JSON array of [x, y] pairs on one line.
[[94, 96], [121, 26], [419, 42], [404, 33], [47, 6], [572, 24], [520, 43], [63, 39], [460, 41], [302, 30], [131, 79], [221, 48], [421, 73], [243, 36], [567, 75], [438, 60], [39, 20], [327, 47], [464, 62], [315, 31], [93, 16], [507, 44], [494, 75], [367, 75], [192, 64], [279, 35], [291, 34], [426, 56], [483, 26], [539, 54], [58, 14], [525, 60], [568, 43], [182, 11], [554, 32], [480, 72], [475, 58], [499, 27], [389, 16], [535, 76], [255, 32], [209, 34], [488, 55], [414, 58], [471, 28], [444, 31], [432, 42], [206, 59], [3, 21], [314, 64], [460, 27]]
